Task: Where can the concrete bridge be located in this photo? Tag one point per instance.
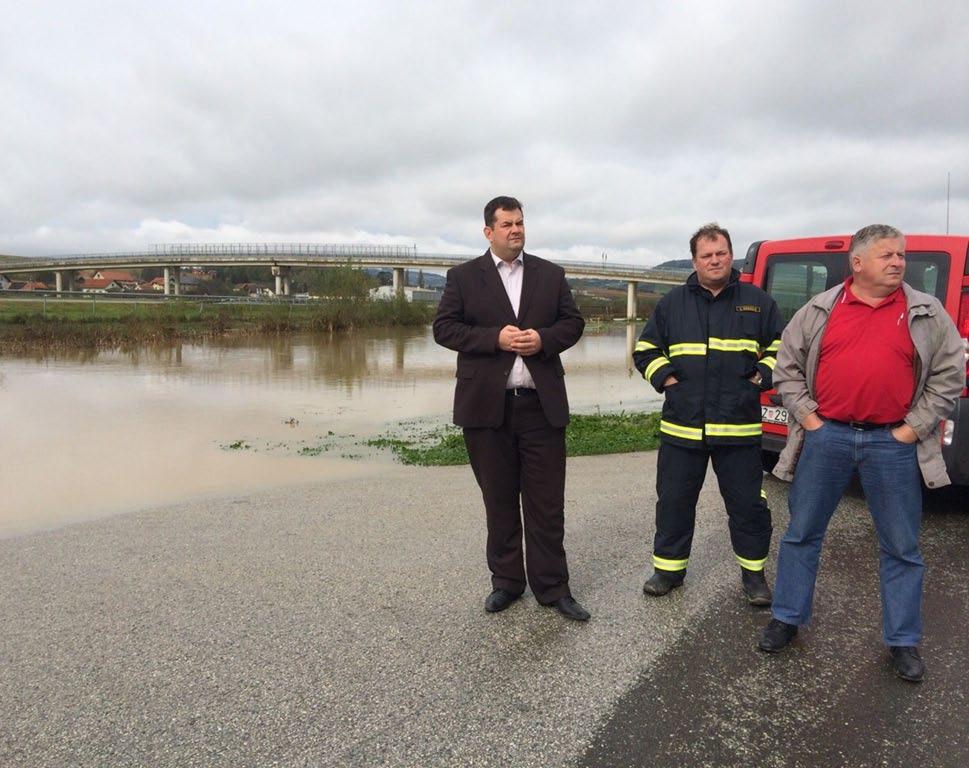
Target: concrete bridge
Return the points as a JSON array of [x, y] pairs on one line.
[[283, 257]]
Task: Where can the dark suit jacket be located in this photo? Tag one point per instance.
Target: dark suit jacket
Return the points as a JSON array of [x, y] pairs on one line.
[[472, 312]]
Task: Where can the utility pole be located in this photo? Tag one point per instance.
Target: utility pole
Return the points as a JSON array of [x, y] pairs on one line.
[[948, 182]]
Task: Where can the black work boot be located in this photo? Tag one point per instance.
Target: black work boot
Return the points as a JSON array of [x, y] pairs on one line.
[[777, 634], [907, 662], [755, 587], [661, 582]]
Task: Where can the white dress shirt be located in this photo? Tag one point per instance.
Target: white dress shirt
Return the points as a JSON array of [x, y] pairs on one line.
[[511, 278]]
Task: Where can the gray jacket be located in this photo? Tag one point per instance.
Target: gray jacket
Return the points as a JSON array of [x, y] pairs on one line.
[[940, 376]]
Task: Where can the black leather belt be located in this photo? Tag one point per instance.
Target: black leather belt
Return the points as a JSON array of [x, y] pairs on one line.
[[866, 426], [520, 391]]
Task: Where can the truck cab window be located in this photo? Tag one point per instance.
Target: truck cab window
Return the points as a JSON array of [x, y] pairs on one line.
[[793, 279]]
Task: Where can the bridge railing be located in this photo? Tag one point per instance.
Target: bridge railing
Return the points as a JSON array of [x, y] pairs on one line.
[[311, 254], [293, 249]]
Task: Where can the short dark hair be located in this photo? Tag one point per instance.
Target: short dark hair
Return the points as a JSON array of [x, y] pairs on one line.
[[709, 232], [502, 202]]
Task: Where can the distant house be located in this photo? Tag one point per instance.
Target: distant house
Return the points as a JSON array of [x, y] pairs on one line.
[[155, 285], [188, 281], [94, 285], [4, 283], [125, 280], [387, 292], [121, 275], [25, 285], [254, 289]]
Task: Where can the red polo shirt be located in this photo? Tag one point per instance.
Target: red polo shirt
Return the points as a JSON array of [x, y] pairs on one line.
[[866, 371]]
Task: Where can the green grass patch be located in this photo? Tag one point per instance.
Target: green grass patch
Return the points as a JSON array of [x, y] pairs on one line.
[[594, 434], [104, 323], [440, 448], [313, 450], [586, 435]]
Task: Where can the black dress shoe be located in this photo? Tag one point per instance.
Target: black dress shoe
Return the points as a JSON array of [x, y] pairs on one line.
[[570, 609], [661, 582], [907, 662], [500, 599], [777, 634], [755, 587]]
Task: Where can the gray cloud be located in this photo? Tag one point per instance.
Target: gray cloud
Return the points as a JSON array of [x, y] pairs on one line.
[[621, 126]]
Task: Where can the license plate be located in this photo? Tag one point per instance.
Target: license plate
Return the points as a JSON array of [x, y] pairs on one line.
[[773, 414]]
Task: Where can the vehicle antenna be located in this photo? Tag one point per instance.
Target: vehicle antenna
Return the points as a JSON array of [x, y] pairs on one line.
[[948, 179]]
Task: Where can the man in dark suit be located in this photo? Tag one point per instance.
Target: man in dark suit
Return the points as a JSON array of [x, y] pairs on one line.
[[508, 315]]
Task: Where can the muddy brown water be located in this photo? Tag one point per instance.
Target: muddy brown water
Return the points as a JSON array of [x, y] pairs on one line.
[[86, 435]]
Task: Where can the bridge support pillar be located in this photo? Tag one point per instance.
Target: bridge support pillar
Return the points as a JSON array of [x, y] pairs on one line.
[[631, 300], [59, 276], [282, 280], [178, 280], [284, 276], [168, 281], [399, 281]]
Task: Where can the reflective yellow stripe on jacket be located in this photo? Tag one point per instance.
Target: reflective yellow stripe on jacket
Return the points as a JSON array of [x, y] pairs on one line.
[[733, 430], [711, 430], [773, 348], [654, 366], [678, 430], [734, 345], [688, 348], [770, 354]]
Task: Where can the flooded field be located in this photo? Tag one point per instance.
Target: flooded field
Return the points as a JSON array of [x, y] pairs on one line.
[[91, 434]]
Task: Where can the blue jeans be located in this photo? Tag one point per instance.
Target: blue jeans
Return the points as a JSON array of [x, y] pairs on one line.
[[891, 480]]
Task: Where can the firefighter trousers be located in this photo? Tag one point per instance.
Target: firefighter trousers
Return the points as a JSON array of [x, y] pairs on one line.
[[679, 477]]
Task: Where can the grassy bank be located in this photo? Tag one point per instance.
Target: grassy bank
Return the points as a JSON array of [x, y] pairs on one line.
[[586, 435], [103, 323]]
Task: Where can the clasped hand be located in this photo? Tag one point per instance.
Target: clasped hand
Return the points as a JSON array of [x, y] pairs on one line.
[[513, 339]]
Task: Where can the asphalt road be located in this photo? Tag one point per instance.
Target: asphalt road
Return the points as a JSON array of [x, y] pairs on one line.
[[341, 625], [831, 699]]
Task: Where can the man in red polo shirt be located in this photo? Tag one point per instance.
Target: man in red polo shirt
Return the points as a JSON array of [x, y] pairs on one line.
[[868, 369]]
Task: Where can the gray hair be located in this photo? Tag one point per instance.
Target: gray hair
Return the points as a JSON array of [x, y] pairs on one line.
[[867, 235]]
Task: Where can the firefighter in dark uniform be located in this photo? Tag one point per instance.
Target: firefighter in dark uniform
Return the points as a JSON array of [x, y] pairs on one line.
[[710, 348]]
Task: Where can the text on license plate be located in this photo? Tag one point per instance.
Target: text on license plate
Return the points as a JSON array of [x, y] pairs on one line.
[[773, 414]]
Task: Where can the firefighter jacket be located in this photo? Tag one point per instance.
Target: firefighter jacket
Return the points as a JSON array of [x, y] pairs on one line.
[[713, 345]]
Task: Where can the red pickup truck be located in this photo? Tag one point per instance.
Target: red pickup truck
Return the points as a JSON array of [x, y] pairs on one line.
[[793, 271]]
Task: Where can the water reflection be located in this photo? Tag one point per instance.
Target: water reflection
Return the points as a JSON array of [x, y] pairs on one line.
[[631, 336], [144, 416]]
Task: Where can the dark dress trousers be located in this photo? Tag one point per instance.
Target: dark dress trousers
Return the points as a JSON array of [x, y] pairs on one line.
[[516, 443]]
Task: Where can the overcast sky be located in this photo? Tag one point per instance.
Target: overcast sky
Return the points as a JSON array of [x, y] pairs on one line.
[[621, 126]]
